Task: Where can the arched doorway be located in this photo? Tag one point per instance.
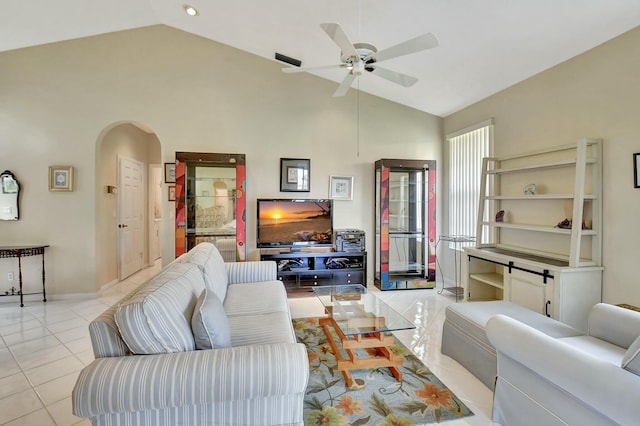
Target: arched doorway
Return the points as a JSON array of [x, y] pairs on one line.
[[121, 145]]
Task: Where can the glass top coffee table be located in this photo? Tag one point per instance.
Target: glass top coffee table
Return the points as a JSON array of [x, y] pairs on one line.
[[361, 321]]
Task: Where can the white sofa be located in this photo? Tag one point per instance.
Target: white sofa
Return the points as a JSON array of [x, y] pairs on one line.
[[464, 336], [572, 380], [254, 374]]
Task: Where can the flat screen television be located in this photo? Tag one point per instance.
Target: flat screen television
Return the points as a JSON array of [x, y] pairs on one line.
[[294, 223]]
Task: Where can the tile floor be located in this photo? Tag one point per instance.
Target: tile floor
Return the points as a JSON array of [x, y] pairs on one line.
[[43, 346]]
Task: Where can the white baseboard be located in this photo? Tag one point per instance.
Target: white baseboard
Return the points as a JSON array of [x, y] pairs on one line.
[[33, 299], [72, 296], [108, 285]]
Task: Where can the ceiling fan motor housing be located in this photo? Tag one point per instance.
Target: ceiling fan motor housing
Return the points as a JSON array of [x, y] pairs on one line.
[[357, 65]]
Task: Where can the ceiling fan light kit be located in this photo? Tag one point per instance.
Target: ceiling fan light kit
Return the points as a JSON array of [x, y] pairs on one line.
[[360, 57]]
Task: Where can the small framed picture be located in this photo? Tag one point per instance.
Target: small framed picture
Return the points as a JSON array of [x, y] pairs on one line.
[[169, 172], [295, 174], [636, 170], [341, 187], [172, 192], [60, 178]]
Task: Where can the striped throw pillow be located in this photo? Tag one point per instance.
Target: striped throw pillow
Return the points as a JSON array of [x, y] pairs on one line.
[[157, 318]]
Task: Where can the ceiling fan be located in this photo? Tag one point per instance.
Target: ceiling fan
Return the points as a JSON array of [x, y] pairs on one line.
[[360, 57]]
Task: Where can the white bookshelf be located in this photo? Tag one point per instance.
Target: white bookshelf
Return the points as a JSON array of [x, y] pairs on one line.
[[530, 260]]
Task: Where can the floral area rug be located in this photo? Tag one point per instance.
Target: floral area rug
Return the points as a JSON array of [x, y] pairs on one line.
[[376, 398]]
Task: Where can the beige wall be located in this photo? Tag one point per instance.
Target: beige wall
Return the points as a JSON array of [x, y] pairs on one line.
[[58, 101], [596, 94]]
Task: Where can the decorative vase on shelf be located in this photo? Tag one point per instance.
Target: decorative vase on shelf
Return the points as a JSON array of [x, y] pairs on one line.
[[530, 189]]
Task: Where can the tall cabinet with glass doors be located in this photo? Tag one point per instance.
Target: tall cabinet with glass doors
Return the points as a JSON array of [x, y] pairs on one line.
[[210, 203], [405, 224]]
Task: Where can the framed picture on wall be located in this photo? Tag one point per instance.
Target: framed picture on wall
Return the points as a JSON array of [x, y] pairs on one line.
[[169, 172], [295, 174], [636, 170], [341, 187], [172, 192], [60, 178]]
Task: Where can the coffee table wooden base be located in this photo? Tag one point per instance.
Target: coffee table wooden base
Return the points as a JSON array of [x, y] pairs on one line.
[[378, 341]]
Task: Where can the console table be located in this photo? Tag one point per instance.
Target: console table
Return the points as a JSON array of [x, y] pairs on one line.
[[20, 252]]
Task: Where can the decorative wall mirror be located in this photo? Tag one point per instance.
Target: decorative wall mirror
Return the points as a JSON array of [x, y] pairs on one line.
[[9, 193]]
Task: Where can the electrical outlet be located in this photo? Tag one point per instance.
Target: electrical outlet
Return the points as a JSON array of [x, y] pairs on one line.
[[10, 276]]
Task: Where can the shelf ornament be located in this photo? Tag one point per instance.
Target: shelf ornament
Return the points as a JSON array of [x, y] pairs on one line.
[[530, 189]]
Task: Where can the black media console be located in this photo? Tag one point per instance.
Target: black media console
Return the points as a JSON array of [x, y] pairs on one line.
[[301, 271]]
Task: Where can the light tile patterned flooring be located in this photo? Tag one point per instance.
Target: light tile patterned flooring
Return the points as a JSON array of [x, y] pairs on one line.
[[43, 347]]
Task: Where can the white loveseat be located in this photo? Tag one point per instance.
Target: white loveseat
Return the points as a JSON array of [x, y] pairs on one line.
[[584, 380], [148, 370]]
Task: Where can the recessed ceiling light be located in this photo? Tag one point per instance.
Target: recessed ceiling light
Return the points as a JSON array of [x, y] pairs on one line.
[[190, 10]]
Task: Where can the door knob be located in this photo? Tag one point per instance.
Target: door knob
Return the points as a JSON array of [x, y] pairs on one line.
[[122, 225]]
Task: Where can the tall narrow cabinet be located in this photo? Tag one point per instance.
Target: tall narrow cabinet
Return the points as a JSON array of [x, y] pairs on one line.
[[405, 226], [539, 232], [210, 203]]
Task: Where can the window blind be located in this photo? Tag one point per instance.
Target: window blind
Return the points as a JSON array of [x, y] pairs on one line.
[[467, 148]]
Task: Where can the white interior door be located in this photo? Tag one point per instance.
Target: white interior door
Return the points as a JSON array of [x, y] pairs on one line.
[[130, 217]]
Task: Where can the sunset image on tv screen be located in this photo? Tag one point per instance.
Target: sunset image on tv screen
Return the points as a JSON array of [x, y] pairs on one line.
[[283, 222]]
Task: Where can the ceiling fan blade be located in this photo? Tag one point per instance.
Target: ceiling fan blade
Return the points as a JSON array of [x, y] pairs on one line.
[[423, 42], [396, 77], [344, 86], [291, 70], [340, 38]]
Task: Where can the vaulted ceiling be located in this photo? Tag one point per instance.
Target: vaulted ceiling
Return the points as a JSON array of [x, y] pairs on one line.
[[484, 46]]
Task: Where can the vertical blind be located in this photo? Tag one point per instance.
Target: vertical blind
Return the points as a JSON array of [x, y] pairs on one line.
[[466, 150]]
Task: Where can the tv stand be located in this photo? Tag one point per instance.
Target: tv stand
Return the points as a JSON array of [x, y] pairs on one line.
[[300, 271]]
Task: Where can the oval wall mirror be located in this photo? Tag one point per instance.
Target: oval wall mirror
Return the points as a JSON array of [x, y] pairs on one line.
[[9, 192]]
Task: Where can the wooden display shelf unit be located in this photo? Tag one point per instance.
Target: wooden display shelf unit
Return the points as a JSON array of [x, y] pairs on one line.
[[530, 260], [569, 185]]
